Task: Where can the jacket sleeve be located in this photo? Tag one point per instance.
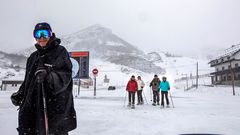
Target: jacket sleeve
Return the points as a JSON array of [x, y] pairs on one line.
[[17, 97], [127, 88], [151, 83], [136, 85], [143, 84], [168, 86], [22, 87], [60, 77]]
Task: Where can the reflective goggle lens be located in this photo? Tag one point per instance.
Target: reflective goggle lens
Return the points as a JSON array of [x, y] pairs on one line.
[[42, 33]]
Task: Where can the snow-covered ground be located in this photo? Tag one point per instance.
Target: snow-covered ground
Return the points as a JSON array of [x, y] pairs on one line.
[[205, 110]]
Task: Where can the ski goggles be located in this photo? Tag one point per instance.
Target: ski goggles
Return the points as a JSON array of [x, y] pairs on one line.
[[42, 33]]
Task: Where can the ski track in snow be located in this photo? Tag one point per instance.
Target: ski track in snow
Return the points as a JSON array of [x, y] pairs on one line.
[[205, 110]]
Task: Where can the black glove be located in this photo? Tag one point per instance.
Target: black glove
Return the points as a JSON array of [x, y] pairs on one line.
[[41, 74], [17, 98]]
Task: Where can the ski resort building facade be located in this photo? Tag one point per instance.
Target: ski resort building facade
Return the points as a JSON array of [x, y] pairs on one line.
[[10, 85], [227, 67]]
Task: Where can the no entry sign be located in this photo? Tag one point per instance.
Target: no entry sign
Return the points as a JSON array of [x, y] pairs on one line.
[[95, 71]]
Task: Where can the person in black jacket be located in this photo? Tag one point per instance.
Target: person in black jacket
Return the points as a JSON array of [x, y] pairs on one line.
[[48, 72]]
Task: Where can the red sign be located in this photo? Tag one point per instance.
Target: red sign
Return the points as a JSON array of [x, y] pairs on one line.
[[95, 71], [79, 54]]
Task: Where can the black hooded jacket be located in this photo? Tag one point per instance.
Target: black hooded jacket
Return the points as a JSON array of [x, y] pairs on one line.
[[58, 89]]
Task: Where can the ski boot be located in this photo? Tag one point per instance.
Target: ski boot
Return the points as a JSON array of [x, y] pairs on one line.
[[129, 104], [133, 106], [168, 106], [154, 104], [162, 106], [158, 103]]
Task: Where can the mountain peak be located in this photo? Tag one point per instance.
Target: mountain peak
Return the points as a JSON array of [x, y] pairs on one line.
[[89, 32], [97, 28]]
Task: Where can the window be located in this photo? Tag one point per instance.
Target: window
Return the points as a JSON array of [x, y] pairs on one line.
[[229, 66], [228, 58], [236, 65], [235, 77], [217, 69], [224, 78], [229, 78], [222, 68], [222, 60]]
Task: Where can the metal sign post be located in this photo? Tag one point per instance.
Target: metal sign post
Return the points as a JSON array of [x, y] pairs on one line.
[[95, 93], [95, 72], [232, 78]]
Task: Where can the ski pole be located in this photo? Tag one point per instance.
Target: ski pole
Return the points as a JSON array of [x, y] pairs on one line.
[[125, 99], [45, 109], [150, 94], [171, 98], [145, 97]]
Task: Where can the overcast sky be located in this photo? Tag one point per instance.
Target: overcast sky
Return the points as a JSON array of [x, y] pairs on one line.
[[178, 26]]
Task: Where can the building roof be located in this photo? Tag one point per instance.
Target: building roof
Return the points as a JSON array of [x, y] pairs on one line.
[[229, 51], [14, 78]]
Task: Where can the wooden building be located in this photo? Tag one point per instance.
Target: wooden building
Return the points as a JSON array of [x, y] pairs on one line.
[[227, 67]]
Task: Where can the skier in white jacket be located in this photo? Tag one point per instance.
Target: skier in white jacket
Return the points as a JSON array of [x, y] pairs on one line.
[[141, 85]]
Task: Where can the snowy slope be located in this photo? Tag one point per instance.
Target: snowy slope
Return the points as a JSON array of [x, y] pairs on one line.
[[175, 67], [11, 66], [178, 67], [119, 75], [16, 61], [7, 73]]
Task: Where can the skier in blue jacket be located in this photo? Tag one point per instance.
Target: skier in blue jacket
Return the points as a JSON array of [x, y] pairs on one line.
[[164, 87]]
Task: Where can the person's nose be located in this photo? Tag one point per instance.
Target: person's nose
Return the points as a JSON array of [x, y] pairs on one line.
[[41, 38]]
